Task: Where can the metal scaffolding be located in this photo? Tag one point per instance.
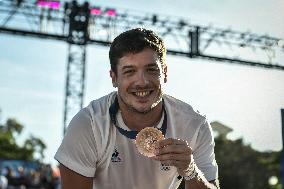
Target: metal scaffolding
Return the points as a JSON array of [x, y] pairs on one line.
[[82, 24]]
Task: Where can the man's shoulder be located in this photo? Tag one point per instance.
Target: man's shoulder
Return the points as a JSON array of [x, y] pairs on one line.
[[97, 112], [101, 105], [181, 107]]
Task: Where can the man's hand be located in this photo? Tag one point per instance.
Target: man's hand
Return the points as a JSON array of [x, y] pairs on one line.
[[174, 152]]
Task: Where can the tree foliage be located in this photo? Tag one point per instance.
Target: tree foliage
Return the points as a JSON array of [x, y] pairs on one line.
[[241, 167], [11, 150]]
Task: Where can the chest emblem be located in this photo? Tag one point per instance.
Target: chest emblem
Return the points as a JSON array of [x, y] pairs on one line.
[[115, 157], [164, 167]]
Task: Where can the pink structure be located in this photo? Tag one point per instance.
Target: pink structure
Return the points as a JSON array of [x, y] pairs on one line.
[[49, 4], [96, 11]]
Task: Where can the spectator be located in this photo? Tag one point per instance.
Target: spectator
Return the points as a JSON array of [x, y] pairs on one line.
[[3, 179]]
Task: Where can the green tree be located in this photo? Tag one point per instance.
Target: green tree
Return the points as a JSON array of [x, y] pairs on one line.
[[11, 150], [36, 145], [241, 167]]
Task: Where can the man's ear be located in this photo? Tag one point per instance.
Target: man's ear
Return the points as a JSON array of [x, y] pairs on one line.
[[165, 70], [113, 78]]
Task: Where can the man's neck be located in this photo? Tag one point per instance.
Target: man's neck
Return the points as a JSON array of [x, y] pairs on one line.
[[137, 121]]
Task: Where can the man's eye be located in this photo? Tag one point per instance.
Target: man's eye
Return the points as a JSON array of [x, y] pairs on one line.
[[128, 72], [153, 70]]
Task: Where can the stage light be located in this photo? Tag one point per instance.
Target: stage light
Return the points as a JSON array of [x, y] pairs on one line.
[[48, 4], [110, 12], [96, 11], [181, 24], [154, 19]]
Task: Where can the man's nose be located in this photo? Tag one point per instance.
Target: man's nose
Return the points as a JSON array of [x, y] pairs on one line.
[[142, 79]]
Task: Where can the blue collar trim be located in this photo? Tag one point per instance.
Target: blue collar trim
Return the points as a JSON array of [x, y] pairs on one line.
[[113, 109]]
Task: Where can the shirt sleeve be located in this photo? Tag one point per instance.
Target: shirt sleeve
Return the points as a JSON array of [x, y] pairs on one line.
[[203, 152], [78, 150]]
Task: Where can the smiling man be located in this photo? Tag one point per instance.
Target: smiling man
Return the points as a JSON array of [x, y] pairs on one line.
[[99, 148]]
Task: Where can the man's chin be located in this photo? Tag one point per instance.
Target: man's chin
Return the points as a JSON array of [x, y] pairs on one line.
[[142, 110], [146, 107]]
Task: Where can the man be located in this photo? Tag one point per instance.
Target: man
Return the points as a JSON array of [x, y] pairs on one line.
[[99, 150]]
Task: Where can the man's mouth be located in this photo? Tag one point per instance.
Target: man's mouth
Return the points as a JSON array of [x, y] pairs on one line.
[[142, 93]]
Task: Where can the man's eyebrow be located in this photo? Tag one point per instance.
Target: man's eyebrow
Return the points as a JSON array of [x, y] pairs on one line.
[[152, 65], [127, 67]]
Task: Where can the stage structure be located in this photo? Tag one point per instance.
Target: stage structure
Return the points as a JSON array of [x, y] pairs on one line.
[[82, 24]]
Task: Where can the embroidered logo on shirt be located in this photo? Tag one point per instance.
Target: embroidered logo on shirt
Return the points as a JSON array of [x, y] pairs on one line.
[[115, 156], [164, 167]]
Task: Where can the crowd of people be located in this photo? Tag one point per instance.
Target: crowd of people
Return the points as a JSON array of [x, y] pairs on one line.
[[41, 177]]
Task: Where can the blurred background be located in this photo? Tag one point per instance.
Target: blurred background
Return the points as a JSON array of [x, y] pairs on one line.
[[225, 58]]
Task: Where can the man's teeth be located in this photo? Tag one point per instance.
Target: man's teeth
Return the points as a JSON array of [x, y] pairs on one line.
[[142, 93]]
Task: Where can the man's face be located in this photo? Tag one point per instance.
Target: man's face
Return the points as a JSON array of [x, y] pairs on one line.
[[138, 80]]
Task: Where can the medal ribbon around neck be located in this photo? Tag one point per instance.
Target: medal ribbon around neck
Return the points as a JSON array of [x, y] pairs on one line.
[[113, 109]]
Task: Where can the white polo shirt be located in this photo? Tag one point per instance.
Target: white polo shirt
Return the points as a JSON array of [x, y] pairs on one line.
[[93, 147]]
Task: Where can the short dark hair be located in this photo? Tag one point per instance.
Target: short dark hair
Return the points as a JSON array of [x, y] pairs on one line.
[[135, 41]]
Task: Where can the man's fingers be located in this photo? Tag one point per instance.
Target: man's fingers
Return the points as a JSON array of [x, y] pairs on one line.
[[174, 152], [173, 149], [177, 164], [170, 141], [175, 157], [174, 146]]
